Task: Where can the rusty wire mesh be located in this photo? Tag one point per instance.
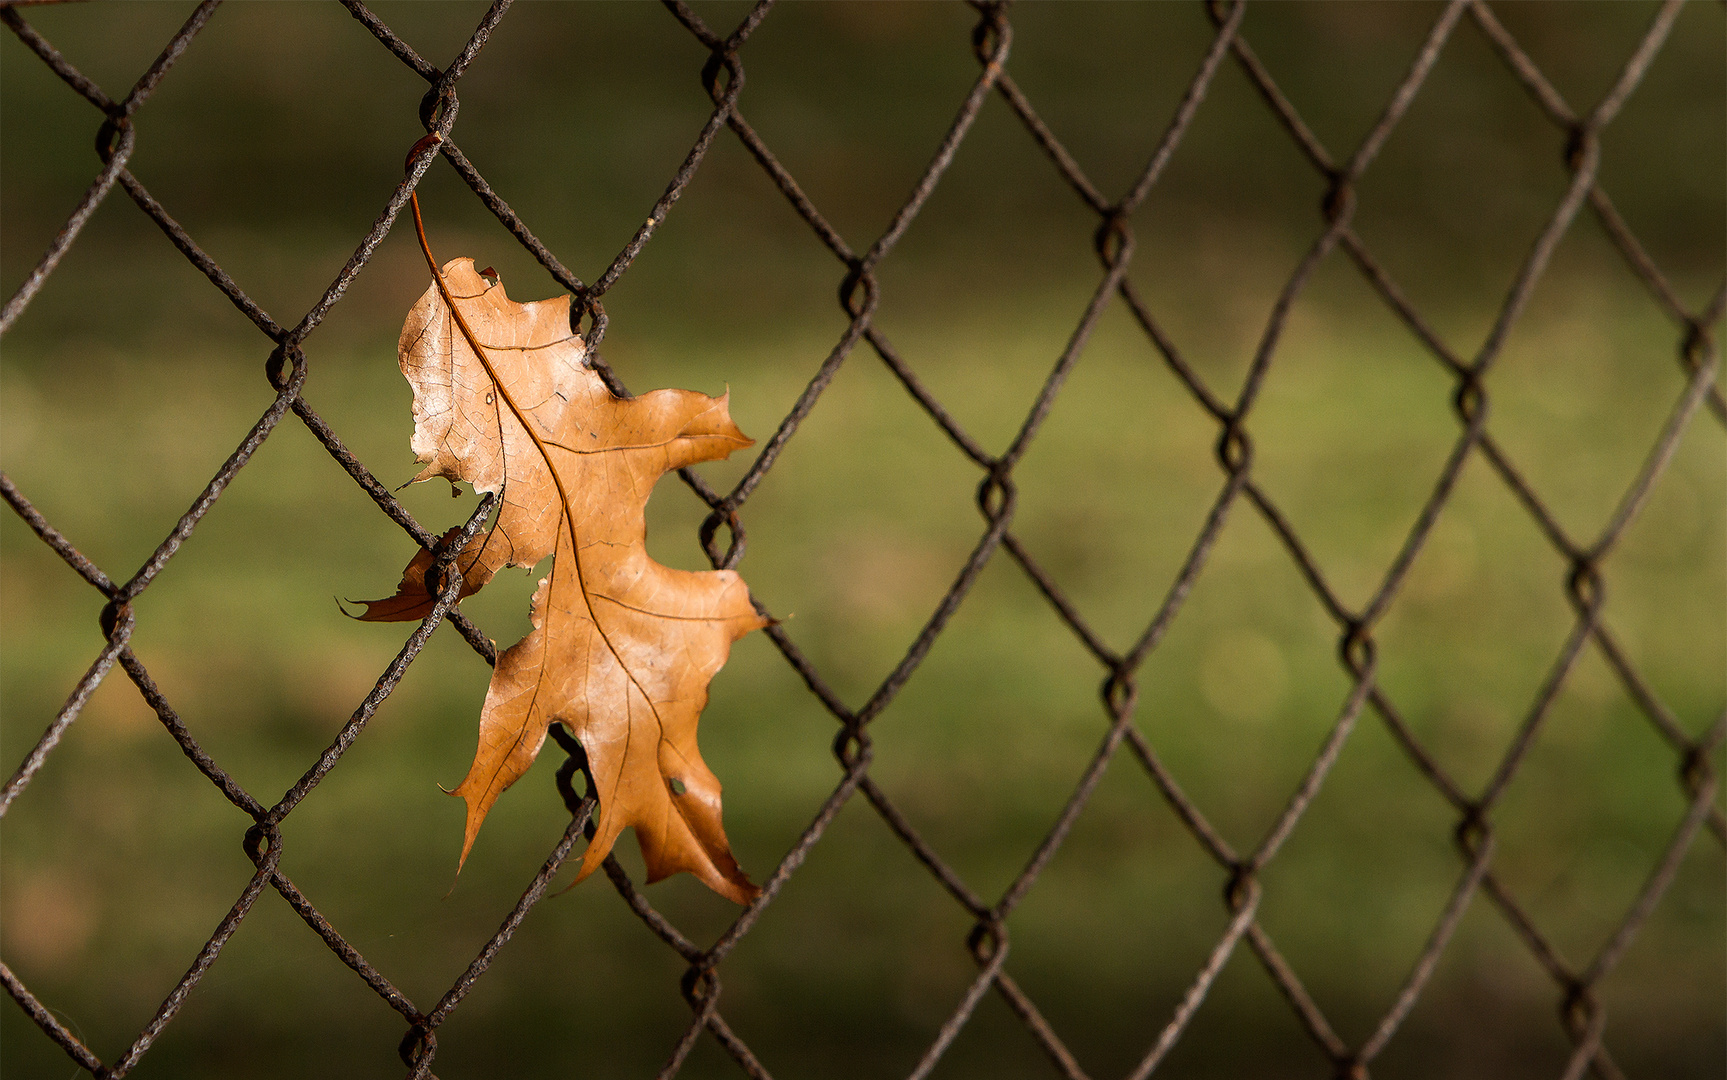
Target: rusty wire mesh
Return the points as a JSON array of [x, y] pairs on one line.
[[1584, 125]]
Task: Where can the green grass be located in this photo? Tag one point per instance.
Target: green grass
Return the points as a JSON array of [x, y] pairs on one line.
[[120, 859]]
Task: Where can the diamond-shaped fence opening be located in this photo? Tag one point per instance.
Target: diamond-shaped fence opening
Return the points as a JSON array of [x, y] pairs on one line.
[[1205, 645]]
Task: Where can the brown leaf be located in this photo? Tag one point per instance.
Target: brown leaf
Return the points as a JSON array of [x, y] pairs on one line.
[[622, 648]]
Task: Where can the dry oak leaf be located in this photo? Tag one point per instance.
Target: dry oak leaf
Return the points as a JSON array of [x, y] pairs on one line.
[[622, 648]]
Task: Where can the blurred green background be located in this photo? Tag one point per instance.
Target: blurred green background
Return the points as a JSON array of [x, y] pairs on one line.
[[279, 136]]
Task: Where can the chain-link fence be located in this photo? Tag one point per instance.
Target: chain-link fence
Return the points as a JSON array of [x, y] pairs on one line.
[[1696, 411]]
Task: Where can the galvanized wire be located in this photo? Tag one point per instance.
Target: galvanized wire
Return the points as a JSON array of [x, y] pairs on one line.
[[1574, 982]]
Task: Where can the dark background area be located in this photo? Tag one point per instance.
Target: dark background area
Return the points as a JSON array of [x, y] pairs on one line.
[[279, 136]]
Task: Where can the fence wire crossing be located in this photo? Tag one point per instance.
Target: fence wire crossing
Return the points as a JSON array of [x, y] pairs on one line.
[[1581, 128]]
